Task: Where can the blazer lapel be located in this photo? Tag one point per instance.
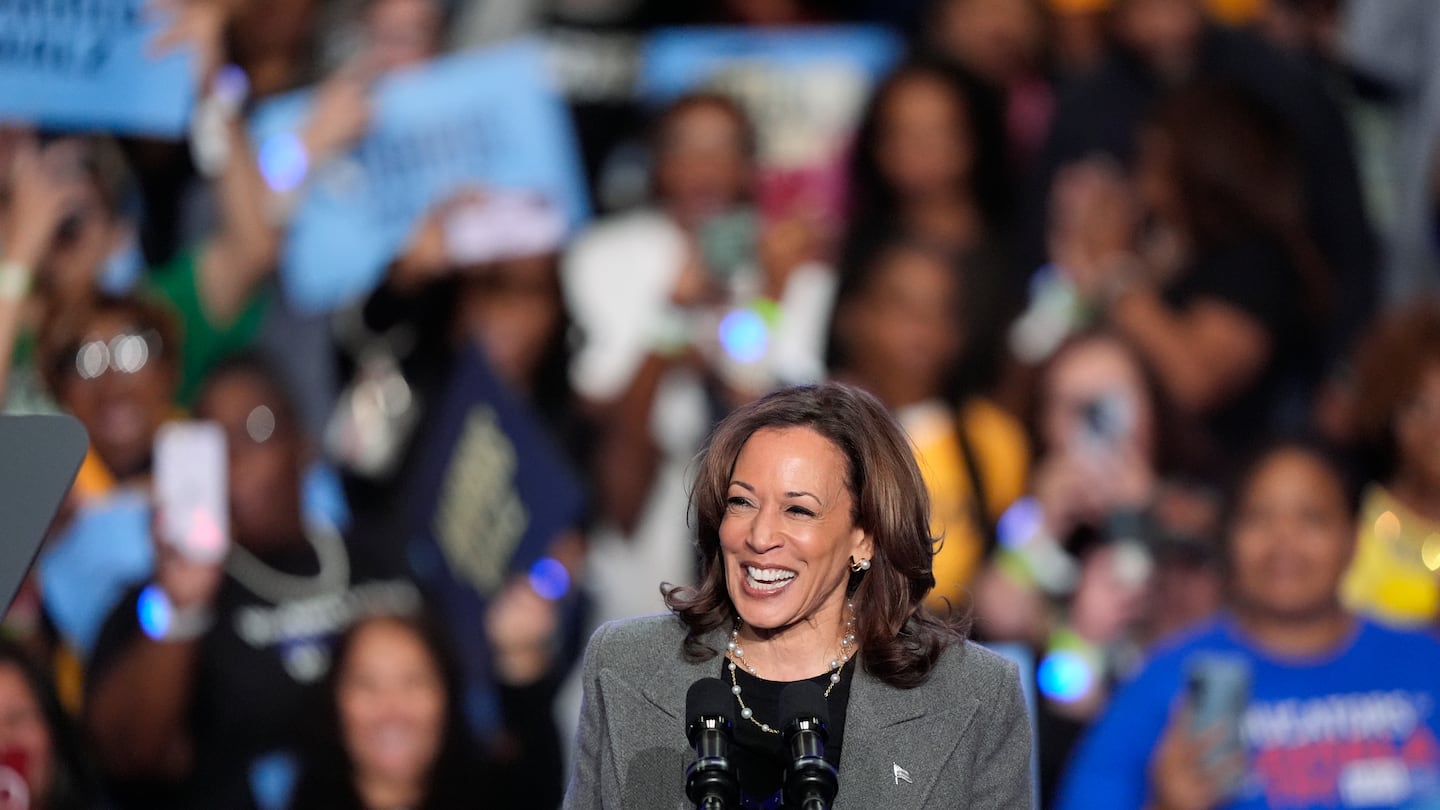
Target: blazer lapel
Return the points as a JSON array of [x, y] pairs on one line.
[[647, 727], [897, 741]]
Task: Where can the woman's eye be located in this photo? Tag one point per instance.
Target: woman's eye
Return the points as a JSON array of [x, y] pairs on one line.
[[801, 511], [735, 501]]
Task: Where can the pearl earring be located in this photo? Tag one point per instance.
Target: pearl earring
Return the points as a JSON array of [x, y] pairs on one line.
[[862, 565]]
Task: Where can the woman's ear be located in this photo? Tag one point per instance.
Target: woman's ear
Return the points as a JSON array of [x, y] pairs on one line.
[[863, 545]]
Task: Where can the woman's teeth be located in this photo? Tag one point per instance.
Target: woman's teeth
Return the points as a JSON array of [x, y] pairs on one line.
[[768, 579]]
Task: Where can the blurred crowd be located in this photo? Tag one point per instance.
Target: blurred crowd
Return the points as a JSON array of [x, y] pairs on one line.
[[1151, 284]]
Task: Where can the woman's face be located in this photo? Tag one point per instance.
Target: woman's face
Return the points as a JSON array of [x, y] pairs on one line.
[[392, 704], [265, 460], [903, 329], [787, 536], [701, 167], [924, 145], [1417, 431], [1096, 400], [79, 249], [512, 310], [1292, 537], [994, 38], [24, 736], [402, 33], [119, 383]]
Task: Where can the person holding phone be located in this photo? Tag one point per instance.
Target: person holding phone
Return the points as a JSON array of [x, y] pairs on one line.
[[1286, 699], [42, 761], [688, 307], [199, 673]]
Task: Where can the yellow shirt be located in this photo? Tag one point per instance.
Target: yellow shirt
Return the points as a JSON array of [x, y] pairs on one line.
[[1002, 456], [1393, 576]]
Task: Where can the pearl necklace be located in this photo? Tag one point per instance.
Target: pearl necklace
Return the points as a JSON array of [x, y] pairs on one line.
[[737, 654]]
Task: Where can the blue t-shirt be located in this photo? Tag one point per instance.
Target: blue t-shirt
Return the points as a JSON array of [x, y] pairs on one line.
[[1357, 728]]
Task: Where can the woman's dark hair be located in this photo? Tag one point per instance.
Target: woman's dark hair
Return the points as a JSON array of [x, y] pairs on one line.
[[695, 99], [328, 776], [63, 333], [863, 264], [900, 639], [1236, 166], [1390, 365], [1318, 449], [873, 200], [72, 781], [257, 368]]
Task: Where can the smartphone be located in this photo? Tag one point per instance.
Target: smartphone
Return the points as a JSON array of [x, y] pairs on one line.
[[1218, 690], [192, 490], [728, 241], [1106, 422]]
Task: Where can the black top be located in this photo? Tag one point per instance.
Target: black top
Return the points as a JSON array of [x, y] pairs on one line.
[[1255, 276], [760, 758], [259, 666]]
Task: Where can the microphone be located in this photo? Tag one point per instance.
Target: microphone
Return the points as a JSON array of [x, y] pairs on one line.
[[810, 781], [710, 781]]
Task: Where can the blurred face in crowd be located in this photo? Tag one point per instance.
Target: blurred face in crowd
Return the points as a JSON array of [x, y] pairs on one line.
[[1292, 538], [24, 734], [995, 39], [87, 235], [273, 28], [1096, 398], [1166, 33], [702, 166], [512, 310], [924, 142], [402, 33], [392, 705], [119, 382], [904, 332], [1417, 431], [266, 456], [788, 533]]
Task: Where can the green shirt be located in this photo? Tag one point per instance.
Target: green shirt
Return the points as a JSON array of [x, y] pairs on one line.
[[203, 342]]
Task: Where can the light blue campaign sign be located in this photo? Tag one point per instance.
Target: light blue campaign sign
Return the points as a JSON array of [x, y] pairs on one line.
[[487, 119], [676, 60], [88, 66]]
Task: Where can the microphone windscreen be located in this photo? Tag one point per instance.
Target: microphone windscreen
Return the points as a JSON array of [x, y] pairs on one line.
[[803, 699], [709, 697]]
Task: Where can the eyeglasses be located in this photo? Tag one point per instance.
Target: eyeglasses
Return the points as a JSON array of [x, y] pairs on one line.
[[125, 353]]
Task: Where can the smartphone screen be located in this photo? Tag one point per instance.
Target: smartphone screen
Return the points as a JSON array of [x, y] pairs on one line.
[[1218, 692], [192, 491]]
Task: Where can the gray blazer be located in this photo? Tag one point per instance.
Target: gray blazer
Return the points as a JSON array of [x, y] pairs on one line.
[[962, 737]]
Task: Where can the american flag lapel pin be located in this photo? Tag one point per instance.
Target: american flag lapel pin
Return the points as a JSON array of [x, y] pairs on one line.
[[901, 773]]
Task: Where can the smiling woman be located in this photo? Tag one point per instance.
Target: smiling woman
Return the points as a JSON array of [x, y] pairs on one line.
[[813, 530]]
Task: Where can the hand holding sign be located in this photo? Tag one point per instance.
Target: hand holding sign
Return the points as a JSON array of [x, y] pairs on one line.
[[88, 66], [195, 24], [44, 188]]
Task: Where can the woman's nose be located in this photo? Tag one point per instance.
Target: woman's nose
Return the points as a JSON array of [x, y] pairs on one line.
[[765, 532]]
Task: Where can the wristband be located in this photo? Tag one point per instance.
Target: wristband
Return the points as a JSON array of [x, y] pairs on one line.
[[162, 621], [15, 279], [284, 162], [1072, 667]]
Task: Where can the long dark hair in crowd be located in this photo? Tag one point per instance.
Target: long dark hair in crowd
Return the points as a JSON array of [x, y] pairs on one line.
[[327, 779], [900, 639], [1236, 168], [72, 782], [873, 200]]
